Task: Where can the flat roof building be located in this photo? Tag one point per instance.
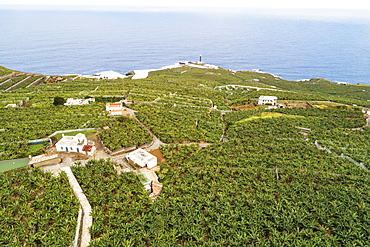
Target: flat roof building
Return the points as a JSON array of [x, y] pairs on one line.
[[142, 158], [271, 100]]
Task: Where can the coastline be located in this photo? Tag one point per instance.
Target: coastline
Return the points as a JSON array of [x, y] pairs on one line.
[[144, 73]]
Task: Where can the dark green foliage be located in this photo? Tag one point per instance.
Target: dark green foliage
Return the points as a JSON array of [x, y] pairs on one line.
[[250, 207], [123, 133], [59, 101], [177, 124], [108, 99], [37, 209], [116, 200]]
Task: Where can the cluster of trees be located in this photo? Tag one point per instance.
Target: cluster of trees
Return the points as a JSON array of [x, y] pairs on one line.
[[177, 155]]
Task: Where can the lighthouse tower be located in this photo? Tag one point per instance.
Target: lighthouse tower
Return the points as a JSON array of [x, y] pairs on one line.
[[200, 58]]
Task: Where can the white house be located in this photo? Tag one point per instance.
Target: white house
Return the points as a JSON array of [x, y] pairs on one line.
[[263, 100], [142, 158], [77, 144], [342, 83], [71, 101]]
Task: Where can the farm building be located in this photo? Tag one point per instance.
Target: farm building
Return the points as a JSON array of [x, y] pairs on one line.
[[71, 101], [142, 158], [77, 144], [116, 109], [119, 112], [271, 100], [156, 189], [113, 106]]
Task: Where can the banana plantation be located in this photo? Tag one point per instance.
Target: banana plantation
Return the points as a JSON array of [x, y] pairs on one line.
[[251, 177]]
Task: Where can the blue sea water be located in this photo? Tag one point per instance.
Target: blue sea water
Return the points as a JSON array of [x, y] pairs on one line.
[[85, 42]]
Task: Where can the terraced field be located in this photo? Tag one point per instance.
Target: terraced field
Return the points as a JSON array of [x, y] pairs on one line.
[[231, 177]]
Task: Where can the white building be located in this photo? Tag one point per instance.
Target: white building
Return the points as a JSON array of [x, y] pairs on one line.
[[113, 106], [77, 144], [11, 105], [117, 109], [263, 100], [366, 111], [142, 158], [71, 101]]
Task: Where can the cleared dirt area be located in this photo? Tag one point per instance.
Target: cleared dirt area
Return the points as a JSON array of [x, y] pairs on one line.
[[160, 158]]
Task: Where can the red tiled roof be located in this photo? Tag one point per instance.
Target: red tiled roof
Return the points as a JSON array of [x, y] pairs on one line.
[[87, 148]]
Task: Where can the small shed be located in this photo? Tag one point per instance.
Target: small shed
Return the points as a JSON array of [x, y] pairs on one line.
[[156, 189], [304, 131], [142, 158]]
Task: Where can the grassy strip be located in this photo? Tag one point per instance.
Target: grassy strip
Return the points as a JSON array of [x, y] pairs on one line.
[[265, 115], [58, 136]]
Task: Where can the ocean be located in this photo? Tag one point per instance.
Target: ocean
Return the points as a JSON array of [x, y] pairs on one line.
[[293, 46]]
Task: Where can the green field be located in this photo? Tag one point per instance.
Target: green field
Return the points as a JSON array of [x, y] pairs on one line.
[[86, 132], [7, 165]]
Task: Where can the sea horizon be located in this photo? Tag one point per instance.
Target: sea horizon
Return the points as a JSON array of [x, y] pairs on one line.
[[289, 43]]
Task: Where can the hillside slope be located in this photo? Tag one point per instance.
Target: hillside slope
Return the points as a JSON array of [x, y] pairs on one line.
[[257, 177]]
